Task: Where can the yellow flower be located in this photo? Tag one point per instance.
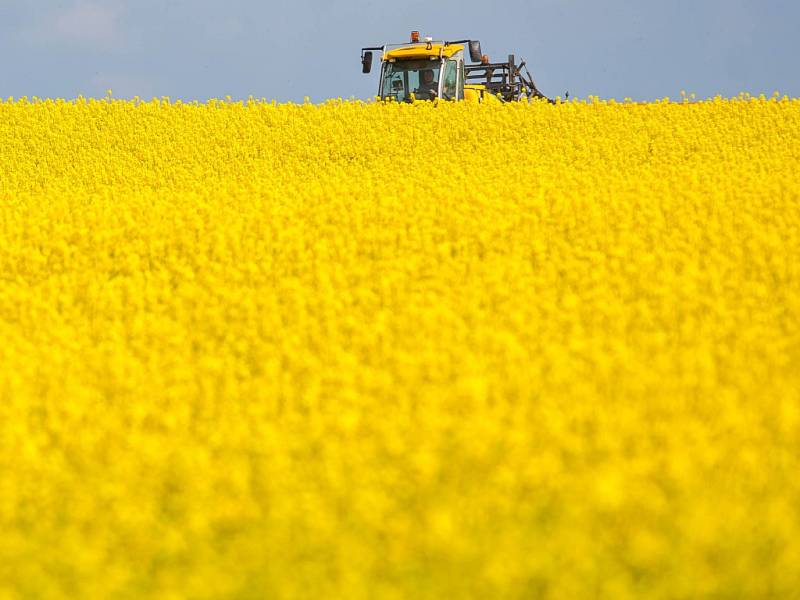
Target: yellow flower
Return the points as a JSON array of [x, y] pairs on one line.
[[366, 349]]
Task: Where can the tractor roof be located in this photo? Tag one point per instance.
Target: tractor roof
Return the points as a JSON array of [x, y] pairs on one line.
[[422, 51]]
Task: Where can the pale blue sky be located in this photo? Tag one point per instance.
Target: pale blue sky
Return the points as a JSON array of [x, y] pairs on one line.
[[197, 49]]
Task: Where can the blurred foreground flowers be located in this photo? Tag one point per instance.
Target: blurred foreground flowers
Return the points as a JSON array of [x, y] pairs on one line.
[[399, 351]]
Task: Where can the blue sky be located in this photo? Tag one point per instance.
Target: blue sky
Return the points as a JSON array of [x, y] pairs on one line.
[[200, 49]]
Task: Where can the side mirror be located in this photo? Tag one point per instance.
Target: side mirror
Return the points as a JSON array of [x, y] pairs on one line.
[[475, 51], [366, 62]]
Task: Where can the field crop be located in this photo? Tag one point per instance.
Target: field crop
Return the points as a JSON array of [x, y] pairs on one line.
[[356, 350]]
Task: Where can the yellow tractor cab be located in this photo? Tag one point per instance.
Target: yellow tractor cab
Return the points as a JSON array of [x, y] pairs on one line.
[[430, 70]]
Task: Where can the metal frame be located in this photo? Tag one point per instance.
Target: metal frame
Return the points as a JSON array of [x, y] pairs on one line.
[[505, 79]]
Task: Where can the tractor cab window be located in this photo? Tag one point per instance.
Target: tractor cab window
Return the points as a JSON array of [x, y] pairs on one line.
[[406, 77], [450, 85]]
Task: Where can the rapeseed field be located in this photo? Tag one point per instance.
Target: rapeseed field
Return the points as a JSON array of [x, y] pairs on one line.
[[357, 350]]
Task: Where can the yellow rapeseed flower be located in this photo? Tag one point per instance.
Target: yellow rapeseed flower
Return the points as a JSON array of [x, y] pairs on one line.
[[366, 350]]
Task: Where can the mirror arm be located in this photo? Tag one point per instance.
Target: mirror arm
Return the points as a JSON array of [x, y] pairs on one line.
[[366, 58], [474, 48]]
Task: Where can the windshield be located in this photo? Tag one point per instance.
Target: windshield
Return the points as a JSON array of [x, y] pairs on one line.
[[406, 77]]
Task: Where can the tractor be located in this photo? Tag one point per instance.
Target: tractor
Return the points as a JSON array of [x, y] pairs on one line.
[[437, 70]]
